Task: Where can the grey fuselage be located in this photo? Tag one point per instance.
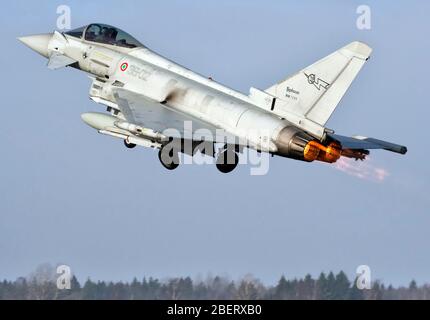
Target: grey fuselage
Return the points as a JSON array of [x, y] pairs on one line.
[[142, 71]]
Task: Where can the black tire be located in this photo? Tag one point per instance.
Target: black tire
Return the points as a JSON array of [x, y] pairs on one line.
[[129, 145], [222, 161], [169, 161]]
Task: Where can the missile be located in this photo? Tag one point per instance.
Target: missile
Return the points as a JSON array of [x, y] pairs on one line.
[[112, 126], [99, 121], [143, 142], [102, 121], [140, 131], [132, 139]]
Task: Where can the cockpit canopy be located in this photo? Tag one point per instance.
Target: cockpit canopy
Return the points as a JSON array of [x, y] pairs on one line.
[[102, 33]]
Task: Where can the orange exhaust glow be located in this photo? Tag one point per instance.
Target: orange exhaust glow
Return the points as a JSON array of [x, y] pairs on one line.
[[311, 152], [316, 151]]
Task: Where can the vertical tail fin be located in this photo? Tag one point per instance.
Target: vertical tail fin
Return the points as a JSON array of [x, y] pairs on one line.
[[315, 91]]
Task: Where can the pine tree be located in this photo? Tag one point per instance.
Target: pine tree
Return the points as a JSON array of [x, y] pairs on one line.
[[89, 291], [247, 290], [354, 292], [282, 290], [413, 290], [154, 289], [341, 287], [201, 292], [331, 286], [376, 291], [185, 288], [322, 287], [135, 290], [145, 290], [309, 284]]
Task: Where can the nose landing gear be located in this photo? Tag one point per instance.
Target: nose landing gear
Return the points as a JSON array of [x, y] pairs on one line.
[[129, 145]]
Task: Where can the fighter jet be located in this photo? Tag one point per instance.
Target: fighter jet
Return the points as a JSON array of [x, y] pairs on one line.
[[156, 103]]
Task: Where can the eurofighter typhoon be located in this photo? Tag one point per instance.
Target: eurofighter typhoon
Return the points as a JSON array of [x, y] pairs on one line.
[[156, 103]]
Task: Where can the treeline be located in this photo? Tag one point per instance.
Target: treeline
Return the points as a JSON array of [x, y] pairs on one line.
[[328, 286]]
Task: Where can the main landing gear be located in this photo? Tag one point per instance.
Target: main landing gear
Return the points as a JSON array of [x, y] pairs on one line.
[[169, 158], [227, 161]]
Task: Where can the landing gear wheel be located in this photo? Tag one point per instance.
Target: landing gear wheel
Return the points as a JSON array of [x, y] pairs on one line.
[[169, 160], [227, 161], [129, 145]]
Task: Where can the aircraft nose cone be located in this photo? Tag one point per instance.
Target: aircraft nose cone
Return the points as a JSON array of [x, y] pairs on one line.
[[38, 43]]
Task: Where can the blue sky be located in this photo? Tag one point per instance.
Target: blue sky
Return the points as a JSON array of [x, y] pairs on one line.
[[69, 195]]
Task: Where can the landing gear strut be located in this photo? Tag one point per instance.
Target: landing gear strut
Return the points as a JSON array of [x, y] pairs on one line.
[[227, 161], [169, 159]]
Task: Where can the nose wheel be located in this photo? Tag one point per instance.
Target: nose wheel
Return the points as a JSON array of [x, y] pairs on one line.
[[129, 145]]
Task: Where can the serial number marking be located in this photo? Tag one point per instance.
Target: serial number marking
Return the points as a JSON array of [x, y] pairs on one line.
[[140, 73], [236, 309], [291, 97]]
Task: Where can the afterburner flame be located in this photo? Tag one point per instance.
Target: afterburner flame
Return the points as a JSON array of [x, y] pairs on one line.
[[316, 151], [311, 152]]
